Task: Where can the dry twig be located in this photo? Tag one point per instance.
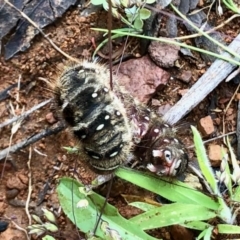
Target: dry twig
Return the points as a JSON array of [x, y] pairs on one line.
[[59, 127], [25, 114], [18, 227]]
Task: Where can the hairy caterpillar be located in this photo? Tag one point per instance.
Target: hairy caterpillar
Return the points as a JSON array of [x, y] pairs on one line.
[[112, 127]]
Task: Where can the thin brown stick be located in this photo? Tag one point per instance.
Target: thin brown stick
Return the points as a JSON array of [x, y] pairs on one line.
[[213, 139], [18, 227], [25, 114], [238, 130], [40, 30], [232, 98], [57, 128]]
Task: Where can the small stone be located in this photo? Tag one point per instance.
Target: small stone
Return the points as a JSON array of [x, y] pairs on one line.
[[23, 178], [142, 78], [164, 108], [180, 232], [3, 206], [15, 182], [215, 154], [200, 3], [201, 106], [42, 146], [206, 126], [185, 76], [155, 102], [163, 54], [182, 91], [230, 111], [217, 121], [237, 96], [82, 19], [12, 193], [50, 118]]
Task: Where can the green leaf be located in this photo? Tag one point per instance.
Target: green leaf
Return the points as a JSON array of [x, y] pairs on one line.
[[236, 195], [144, 13], [197, 225], [138, 23], [48, 237], [174, 191], [143, 206], [171, 214], [150, 1], [71, 150], [97, 2], [228, 229], [203, 161], [116, 4], [125, 3], [206, 234], [105, 5], [131, 13], [85, 218]]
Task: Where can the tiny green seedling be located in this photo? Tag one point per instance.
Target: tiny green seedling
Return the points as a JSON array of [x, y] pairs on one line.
[[231, 5], [44, 227], [131, 13]]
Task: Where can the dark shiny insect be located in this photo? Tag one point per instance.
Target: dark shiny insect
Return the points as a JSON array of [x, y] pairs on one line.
[[112, 127]]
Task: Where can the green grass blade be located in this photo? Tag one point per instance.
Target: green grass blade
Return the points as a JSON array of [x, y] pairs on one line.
[[228, 229], [197, 225], [174, 191], [171, 214], [205, 234], [236, 195], [143, 206], [224, 211], [203, 161]]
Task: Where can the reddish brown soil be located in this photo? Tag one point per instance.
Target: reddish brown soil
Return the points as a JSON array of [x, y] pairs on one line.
[[73, 35]]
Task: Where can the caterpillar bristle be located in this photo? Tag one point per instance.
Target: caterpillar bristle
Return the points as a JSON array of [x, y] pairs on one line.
[[95, 115], [163, 150]]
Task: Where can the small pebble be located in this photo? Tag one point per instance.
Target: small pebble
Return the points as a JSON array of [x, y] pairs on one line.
[[206, 126], [50, 118], [185, 76], [12, 193], [215, 154]]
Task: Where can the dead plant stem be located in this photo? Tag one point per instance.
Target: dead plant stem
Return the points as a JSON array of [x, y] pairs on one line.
[[29, 187]]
